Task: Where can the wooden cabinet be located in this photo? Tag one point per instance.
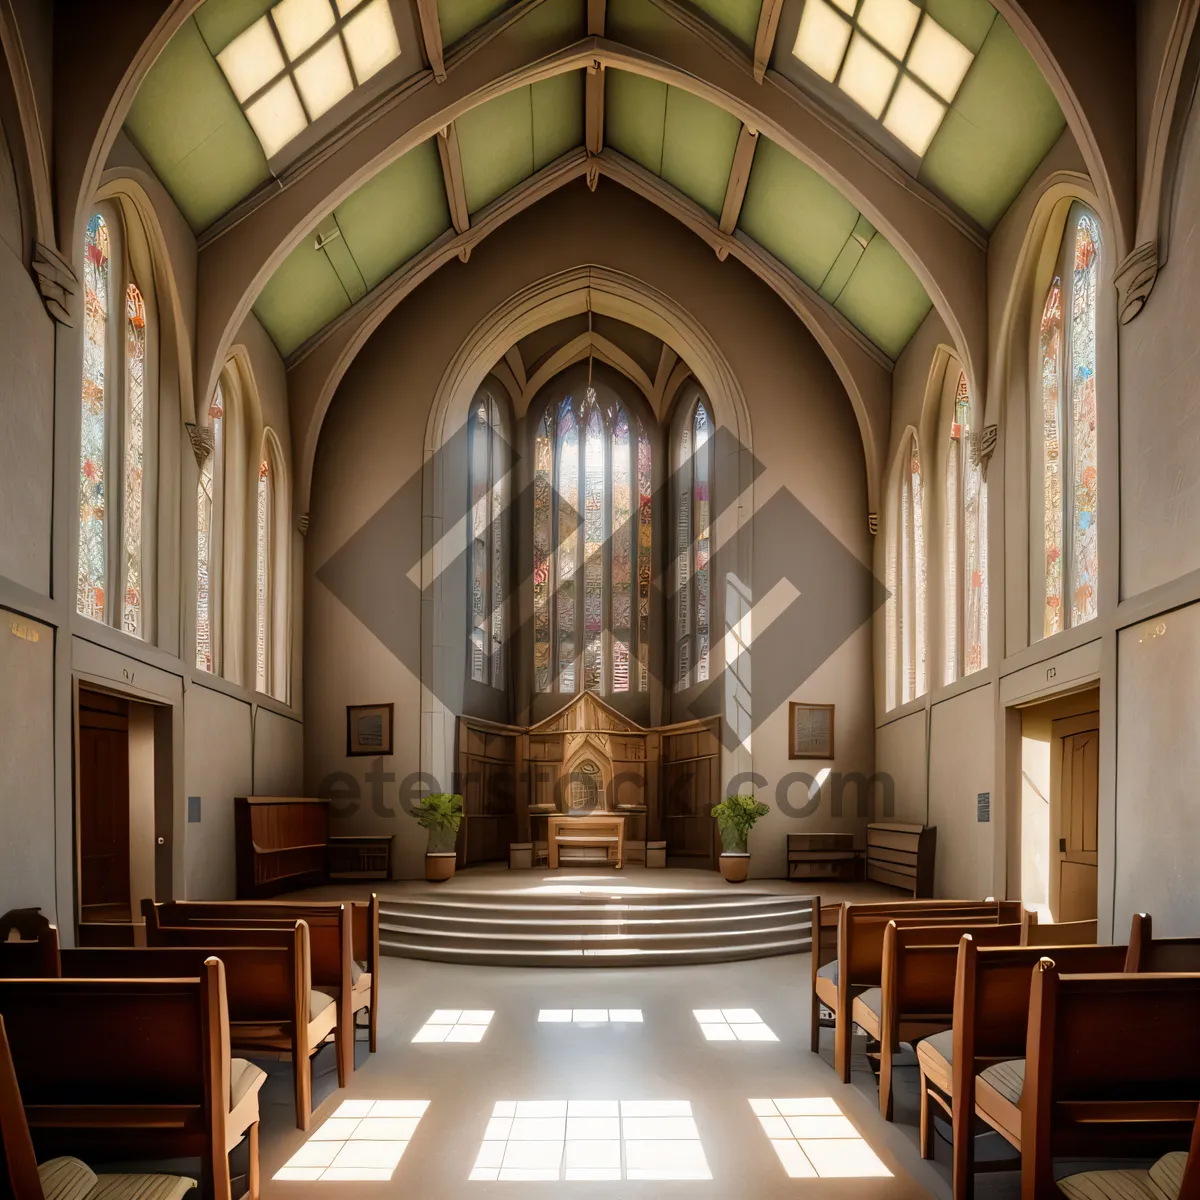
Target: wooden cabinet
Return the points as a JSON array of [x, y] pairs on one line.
[[902, 855], [822, 856]]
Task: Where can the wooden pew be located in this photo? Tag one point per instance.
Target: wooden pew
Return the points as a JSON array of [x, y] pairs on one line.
[[1062, 933], [916, 994], [990, 1018], [29, 958], [278, 1011], [1148, 953], [1112, 1067], [63, 1176], [129, 1069], [859, 961], [362, 952]]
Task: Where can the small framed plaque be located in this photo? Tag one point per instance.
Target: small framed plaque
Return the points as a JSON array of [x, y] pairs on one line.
[[810, 730], [368, 729]]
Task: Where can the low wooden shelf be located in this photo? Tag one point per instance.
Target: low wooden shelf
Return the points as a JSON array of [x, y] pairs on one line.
[[823, 856], [902, 856]]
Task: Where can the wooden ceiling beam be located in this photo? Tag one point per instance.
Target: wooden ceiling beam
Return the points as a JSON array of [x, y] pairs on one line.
[[594, 109], [431, 35], [517, 364], [595, 17], [452, 173], [764, 40], [739, 176]]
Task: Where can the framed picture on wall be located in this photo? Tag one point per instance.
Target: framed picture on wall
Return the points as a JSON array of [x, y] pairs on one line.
[[810, 730], [368, 729]]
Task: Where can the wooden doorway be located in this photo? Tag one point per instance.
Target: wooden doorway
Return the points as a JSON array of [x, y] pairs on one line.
[[691, 770], [1076, 788]]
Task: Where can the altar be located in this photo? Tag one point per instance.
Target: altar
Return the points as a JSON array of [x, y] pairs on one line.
[[588, 786]]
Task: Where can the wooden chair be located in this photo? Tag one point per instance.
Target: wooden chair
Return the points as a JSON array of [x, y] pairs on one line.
[[990, 1018], [362, 952], [1063, 933], [1176, 1176], [1112, 1068], [915, 998], [1148, 953], [278, 1012], [129, 1069], [859, 961], [62, 1176]]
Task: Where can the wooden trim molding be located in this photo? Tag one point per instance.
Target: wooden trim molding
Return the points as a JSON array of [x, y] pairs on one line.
[[739, 177], [452, 173], [431, 35], [764, 41]]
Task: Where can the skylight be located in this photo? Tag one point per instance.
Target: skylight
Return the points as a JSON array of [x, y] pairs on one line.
[[890, 57], [298, 60]]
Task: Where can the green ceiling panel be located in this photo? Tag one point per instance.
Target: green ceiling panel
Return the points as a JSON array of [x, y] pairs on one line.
[[396, 214], [221, 21], [557, 105], [968, 20], [496, 142], [842, 269], [884, 298], [634, 21], [460, 17], [698, 145], [552, 24], [188, 126], [635, 113], [1001, 125], [737, 17], [334, 244], [303, 296], [795, 214]]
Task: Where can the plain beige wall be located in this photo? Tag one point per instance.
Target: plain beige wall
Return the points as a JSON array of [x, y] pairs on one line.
[[805, 435]]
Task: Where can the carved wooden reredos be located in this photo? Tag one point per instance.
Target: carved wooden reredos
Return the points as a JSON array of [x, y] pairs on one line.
[[584, 758]]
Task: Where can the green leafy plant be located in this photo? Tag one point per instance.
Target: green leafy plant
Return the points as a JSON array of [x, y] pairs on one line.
[[441, 814], [736, 816]]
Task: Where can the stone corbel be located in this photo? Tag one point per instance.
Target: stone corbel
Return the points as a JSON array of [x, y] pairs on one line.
[[56, 282], [983, 446], [201, 437], [873, 523], [1134, 277], [302, 524]]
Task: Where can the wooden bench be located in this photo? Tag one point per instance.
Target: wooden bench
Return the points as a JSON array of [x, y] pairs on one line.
[[62, 1176], [1112, 1067], [916, 994], [859, 961], [360, 953], [296, 1022], [990, 1019], [902, 856], [272, 1008], [1148, 953], [1063, 933], [131, 1069], [28, 951]]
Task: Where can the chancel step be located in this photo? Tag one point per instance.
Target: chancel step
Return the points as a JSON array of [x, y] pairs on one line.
[[503, 928]]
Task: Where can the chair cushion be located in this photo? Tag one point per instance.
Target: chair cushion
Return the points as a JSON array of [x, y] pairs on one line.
[[356, 969], [360, 993], [936, 1056], [872, 998], [245, 1080], [1113, 1185], [70, 1179], [322, 1017], [1167, 1173], [829, 971], [1008, 1078]]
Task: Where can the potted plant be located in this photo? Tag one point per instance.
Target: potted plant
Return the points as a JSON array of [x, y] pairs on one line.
[[736, 816], [441, 814]]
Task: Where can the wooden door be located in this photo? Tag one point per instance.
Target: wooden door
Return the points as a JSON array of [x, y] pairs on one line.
[[1078, 796], [103, 786], [691, 783]]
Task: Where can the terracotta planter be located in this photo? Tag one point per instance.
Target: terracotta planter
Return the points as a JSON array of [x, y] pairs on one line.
[[439, 867], [735, 867]]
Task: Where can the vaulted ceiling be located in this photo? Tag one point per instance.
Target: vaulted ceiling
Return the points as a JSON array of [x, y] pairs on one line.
[[196, 132]]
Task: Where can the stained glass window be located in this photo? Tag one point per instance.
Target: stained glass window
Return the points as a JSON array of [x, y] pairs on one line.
[[1069, 454], [208, 517], [591, 546], [956, 456], [262, 591], [488, 499], [906, 621], [93, 450], [134, 458], [693, 544]]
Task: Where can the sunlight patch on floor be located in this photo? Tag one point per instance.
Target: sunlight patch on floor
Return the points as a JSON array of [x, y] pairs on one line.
[[815, 1141], [576, 1140], [455, 1025], [733, 1025], [590, 1016], [362, 1141]]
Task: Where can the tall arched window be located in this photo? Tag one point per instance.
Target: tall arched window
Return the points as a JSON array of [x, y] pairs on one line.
[[114, 438], [592, 547], [487, 453], [965, 601], [906, 656], [692, 476], [210, 504], [264, 576], [1067, 424]]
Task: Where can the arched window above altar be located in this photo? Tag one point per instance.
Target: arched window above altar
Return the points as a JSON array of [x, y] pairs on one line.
[[592, 545]]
